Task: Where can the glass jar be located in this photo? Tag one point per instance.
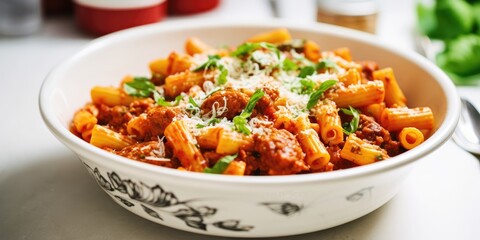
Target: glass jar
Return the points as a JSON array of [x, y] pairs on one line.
[[355, 14]]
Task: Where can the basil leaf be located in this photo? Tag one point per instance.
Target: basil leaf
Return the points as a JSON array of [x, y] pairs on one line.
[[160, 100], [249, 47], [308, 86], [304, 86], [306, 71], [139, 87], [222, 78], [314, 97], [212, 62], [213, 121], [191, 101], [240, 121], [240, 125], [349, 128], [326, 64], [289, 65], [221, 165], [252, 102]]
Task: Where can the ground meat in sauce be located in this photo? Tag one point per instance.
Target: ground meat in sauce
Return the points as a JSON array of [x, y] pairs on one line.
[[115, 117], [212, 157], [140, 106], [337, 161], [159, 118], [279, 152], [145, 152], [265, 104], [374, 133], [368, 67], [234, 101]]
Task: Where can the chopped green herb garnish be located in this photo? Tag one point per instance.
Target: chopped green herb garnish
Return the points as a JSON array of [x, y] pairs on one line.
[[326, 64], [214, 121], [249, 47], [160, 100], [289, 65], [306, 71], [240, 121], [308, 86], [352, 126], [191, 101], [222, 78], [212, 62], [314, 97], [221, 165], [139, 87], [304, 86]]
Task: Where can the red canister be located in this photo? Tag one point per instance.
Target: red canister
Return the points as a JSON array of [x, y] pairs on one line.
[[180, 7], [101, 17]]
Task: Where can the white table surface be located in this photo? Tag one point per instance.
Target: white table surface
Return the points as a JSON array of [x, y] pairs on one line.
[[46, 193]]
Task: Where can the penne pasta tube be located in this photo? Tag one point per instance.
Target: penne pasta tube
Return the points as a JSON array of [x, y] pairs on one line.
[[361, 152], [394, 96], [182, 82], [178, 63], [236, 168], [352, 76], [184, 147], [138, 126], [344, 53], [103, 137], [316, 155], [87, 135], [311, 50], [358, 95], [283, 120], [410, 137], [110, 96], [194, 46], [229, 142], [209, 137], [375, 110], [331, 130], [83, 121], [395, 119], [315, 126], [276, 36], [159, 66]]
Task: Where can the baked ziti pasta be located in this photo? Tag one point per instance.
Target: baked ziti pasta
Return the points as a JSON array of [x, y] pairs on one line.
[[272, 105]]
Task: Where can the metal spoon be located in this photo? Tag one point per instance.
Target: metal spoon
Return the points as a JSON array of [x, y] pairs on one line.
[[467, 133]]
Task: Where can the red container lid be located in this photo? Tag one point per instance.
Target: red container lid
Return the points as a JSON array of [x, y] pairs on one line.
[[191, 6], [101, 17]]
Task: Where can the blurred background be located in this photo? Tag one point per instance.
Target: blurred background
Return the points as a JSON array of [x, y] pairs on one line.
[[445, 31]]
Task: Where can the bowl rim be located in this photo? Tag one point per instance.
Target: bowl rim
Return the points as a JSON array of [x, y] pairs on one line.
[[441, 135]]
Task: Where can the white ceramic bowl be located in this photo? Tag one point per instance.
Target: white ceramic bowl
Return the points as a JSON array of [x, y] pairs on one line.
[[249, 206]]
